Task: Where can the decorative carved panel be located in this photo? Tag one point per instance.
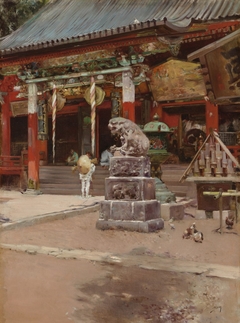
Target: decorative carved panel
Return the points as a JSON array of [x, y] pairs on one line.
[[224, 69], [175, 80], [19, 108]]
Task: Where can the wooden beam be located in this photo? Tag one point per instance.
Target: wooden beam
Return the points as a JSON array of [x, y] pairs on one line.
[[76, 75], [209, 48], [193, 160], [227, 151]]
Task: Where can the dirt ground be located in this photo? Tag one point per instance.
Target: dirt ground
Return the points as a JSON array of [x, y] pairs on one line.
[[40, 288]]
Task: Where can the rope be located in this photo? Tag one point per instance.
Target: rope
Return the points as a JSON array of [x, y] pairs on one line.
[[54, 112], [93, 113]]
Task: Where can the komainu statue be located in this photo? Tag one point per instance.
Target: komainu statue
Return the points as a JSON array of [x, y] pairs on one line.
[[134, 141]]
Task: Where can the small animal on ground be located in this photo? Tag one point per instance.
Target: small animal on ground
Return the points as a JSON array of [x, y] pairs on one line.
[[229, 222], [170, 223], [192, 233], [198, 236], [188, 233], [172, 226]]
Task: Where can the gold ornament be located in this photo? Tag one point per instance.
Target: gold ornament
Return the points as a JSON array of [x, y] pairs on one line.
[[99, 95]]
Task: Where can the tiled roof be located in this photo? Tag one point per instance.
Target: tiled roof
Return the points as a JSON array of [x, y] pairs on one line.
[[72, 21]]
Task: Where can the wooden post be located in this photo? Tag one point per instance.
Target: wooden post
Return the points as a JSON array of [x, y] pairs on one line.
[[211, 117], [33, 150], [220, 209], [192, 162], [237, 201], [224, 147], [6, 129], [97, 153], [215, 136], [93, 115]]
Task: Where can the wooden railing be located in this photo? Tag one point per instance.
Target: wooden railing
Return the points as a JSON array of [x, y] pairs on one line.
[[11, 165]]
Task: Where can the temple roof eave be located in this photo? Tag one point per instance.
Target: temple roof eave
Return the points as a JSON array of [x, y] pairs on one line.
[[139, 30], [62, 22]]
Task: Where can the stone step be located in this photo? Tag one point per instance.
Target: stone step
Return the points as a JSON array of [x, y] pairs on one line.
[[175, 184], [60, 180], [173, 181], [174, 188], [171, 175]]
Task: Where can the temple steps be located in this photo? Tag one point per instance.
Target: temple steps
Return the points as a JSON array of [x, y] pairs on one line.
[[171, 175], [62, 181]]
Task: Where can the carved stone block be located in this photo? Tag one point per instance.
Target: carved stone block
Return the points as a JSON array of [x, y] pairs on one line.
[[130, 193], [130, 188], [121, 166]]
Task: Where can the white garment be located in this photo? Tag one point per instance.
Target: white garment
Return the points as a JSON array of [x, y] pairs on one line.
[[85, 180], [105, 158]]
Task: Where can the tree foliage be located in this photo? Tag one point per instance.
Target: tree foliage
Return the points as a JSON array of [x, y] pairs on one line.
[[13, 13]]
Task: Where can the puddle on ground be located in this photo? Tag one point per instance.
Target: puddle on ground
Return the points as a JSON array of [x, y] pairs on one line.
[[133, 295]]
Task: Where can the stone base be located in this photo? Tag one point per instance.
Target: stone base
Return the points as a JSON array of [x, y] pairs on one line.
[[139, 226], [130, 199], [30, 191], [140, 216], [172, 210], [129, 210]]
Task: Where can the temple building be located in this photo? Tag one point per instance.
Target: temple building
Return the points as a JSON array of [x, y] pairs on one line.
[[76, 64]]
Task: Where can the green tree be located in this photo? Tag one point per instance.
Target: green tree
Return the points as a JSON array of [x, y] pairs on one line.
[[13, 13]]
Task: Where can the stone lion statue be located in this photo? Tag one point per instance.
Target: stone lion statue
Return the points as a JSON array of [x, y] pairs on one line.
[[134, 141]]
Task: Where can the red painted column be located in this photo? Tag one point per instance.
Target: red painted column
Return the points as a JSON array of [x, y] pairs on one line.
[[212, 117], [33, 150], [128, 96], [43, 152], [6, 128], [129, 111]]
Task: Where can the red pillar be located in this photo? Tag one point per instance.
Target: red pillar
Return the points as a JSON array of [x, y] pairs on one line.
[[43, 152], [6, 128], [33, 151], [128, 95], [129, 110], [212, 117]]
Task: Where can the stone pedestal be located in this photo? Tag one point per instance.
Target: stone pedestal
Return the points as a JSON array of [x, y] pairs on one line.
[[130, 202]]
